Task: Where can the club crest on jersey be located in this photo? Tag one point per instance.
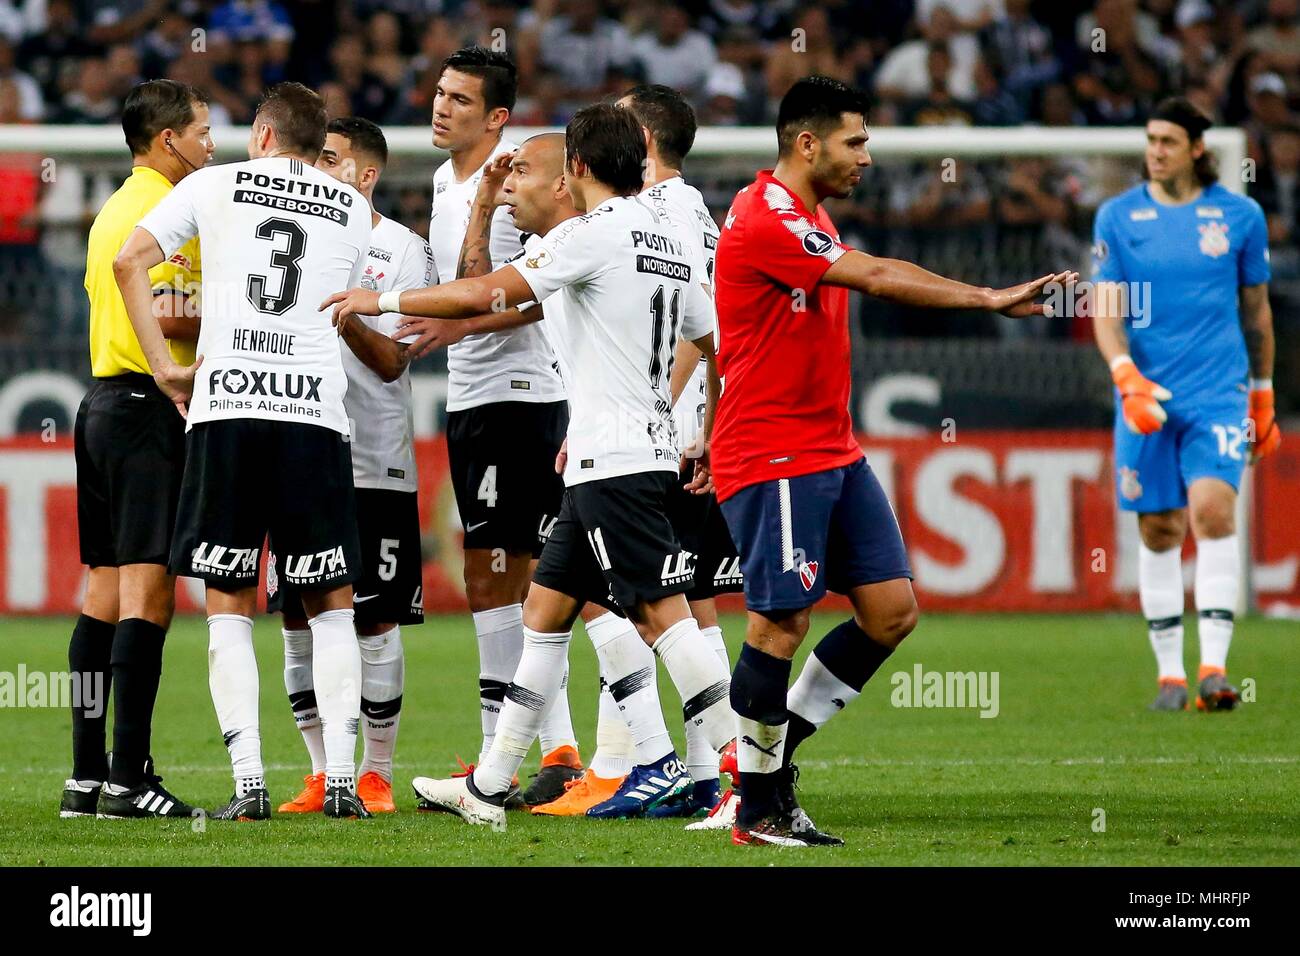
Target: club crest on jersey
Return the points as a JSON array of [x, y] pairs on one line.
[[808, 574], [539, 261], [817, 243], [272, 576], [370, 280], [1129, 486], [1214, 238]]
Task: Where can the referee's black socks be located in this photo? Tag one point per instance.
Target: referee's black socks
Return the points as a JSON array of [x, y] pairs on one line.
[[90, 654], [137, 668]]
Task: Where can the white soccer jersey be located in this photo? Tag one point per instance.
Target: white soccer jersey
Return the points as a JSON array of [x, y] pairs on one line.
[[684, 207], [283, 236], [512, 366], [380, 412], [626, 283]]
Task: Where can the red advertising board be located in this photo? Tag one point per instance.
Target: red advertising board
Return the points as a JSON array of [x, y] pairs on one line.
[[994, 521]]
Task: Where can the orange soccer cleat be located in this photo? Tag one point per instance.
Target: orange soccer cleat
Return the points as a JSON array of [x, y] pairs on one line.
[[312, 798], [376, 793], [580, 796]]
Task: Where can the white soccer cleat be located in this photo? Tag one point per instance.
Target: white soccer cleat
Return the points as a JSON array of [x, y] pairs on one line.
[[721, 817], [455, 796]]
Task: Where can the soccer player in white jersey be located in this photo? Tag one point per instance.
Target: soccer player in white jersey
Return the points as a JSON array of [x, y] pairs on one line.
[[669, 124], [625, 281], [506, 410], [267, 433], [389, 592], [531, 184]]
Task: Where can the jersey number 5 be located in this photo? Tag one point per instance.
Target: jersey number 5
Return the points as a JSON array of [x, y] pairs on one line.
[[286, 260]]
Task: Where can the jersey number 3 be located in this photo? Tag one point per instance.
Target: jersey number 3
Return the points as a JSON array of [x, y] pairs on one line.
[[291, 235]]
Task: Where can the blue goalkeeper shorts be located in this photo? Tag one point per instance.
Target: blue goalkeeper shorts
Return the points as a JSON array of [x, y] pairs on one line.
[[799, 537], [1205, 440]]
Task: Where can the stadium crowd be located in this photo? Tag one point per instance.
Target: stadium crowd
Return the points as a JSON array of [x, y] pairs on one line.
[[950, 62]]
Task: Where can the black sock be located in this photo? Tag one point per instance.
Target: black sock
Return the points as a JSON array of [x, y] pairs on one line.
[[90, 653], [852, 656], [137, 667], [758, 689]]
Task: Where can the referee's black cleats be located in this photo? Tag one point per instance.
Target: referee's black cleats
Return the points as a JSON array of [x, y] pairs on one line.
[[148, 798], [342, 804], [79, 799], [254, 805]]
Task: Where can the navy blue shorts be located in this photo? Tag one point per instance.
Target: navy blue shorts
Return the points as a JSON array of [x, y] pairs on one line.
[[799, 537]]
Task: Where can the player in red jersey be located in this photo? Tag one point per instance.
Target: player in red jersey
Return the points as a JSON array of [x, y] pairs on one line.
[[802, 504]]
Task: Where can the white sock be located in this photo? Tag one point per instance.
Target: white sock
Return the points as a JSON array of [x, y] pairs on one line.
[[627, 666], [1218, 570], [614, 747], [818, 695], [232, 679], [557, 725], [1160, 587], [768, 749], [383, 672], [541, 669], [701, 679], [302, 694], [336, 670], [701, 759], [500, 633], [713, 637]]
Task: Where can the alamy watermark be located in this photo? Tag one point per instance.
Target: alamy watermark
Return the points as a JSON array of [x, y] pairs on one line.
[[960, 689], [63, 689]]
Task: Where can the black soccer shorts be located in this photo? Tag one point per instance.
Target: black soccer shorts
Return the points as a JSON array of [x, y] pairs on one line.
[[129, 443], [702, 530], [390, 589], [613, 544], [246, 478], [502, 460]]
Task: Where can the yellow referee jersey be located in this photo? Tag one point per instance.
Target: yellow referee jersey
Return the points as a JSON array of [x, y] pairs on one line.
[[114, 349]]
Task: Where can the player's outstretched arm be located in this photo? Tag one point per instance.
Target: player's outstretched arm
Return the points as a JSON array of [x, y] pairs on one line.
[[137, 256], [1257, 327], [462, 299], [909, 284], [434, 334]]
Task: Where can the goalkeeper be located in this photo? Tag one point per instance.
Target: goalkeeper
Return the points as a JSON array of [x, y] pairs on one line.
[[1182, 315]]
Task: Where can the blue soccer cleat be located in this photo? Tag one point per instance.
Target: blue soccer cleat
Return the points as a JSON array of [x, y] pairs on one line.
[[697, 802], [646, 787]]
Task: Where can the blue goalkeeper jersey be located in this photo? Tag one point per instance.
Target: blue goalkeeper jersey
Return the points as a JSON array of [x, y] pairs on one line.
[[1183, 266]]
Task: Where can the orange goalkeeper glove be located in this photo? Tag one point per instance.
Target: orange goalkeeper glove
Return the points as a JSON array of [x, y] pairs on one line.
[[1267, 436], [1141, 397]]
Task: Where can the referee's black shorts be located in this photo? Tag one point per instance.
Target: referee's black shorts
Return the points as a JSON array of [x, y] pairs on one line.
[[130, 449]]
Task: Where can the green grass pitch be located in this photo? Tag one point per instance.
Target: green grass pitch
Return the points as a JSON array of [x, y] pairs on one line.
[[1072, 748]]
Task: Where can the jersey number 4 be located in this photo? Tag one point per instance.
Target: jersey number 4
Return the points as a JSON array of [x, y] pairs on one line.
[[288, 233]]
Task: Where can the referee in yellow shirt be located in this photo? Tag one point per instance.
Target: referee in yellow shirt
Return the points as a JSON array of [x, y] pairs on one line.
[[130, 451]]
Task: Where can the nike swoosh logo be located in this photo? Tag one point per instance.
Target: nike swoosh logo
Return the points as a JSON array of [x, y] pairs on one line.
[[475, 527], [137, 394], [368, 597]]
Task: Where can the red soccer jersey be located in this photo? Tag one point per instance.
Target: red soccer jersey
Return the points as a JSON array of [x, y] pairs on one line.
[[783, 342]]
